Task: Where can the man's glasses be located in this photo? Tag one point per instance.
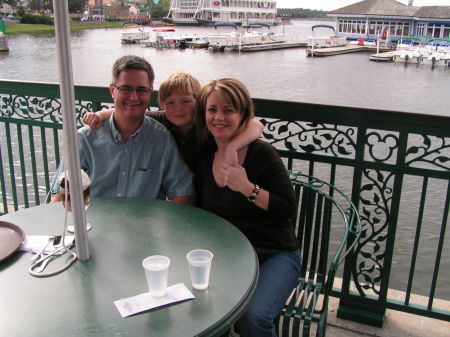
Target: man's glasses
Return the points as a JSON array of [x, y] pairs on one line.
[[127, 90]]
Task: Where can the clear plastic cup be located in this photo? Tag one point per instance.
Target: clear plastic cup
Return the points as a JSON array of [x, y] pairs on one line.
[[156, 271], [199, 267]]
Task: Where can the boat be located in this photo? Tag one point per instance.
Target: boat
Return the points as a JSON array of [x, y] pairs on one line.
[[238, 39], [325, 41], [198, 42], [409, 50], [134, 32], [437, 53], [167, 38], [209, 12]]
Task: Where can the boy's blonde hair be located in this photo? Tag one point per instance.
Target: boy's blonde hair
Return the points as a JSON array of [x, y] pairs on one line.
[[179, 83]]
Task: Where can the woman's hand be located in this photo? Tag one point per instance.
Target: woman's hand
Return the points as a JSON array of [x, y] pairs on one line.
[[235, 177], [92, 119]]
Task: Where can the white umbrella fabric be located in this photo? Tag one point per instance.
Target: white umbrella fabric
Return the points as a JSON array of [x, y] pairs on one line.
[[72, 156]]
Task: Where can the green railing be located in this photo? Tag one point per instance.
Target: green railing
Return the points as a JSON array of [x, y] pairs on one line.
[[394, 165]]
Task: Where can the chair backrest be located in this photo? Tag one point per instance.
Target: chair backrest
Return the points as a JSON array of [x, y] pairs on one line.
[[325, 215]]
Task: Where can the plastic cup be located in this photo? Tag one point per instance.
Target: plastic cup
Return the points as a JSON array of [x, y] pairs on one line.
[[199, 267], [156, 271]]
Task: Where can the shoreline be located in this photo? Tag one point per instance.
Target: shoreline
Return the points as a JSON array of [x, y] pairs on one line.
[[20, 28]]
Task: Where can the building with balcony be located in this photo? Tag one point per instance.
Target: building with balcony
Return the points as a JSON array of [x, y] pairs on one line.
[[391, 19], [208, 12]]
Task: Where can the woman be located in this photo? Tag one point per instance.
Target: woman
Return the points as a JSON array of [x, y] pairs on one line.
[[256, 195]]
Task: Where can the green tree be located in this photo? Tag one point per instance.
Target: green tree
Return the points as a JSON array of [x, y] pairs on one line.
[[40, 5], [20, 10], [301, 13], [12, 3], [77, 5], [165, 4]]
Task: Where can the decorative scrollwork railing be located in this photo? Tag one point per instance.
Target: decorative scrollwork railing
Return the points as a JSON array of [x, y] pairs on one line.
[[397, 174]]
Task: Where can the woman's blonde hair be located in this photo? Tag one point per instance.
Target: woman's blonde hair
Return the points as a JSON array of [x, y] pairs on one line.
[[235, 93], [180, 83]]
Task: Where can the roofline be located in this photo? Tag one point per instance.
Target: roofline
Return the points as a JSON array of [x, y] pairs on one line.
[[432, 19], [373, 16], [381, 16]]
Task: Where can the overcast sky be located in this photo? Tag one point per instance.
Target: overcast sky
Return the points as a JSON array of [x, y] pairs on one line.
[[328, 5]]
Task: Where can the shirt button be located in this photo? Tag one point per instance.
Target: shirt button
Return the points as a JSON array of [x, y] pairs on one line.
[[119, 194], [126, 150], [123, 173]]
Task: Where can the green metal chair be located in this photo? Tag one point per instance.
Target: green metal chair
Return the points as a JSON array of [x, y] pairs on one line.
[[322, 211]]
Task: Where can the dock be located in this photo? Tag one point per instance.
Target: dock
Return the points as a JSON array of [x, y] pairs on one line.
[[383, 57], [272, 46], [350, 48]]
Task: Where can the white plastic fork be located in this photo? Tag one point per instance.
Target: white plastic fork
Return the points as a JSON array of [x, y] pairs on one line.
[[38, 254], [57, 243]]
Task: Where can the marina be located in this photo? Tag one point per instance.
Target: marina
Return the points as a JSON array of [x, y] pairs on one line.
[[273, 74]]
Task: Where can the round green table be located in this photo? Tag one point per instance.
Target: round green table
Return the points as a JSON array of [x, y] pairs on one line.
[[79, 301]]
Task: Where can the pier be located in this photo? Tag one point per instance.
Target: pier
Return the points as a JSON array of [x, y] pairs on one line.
[[383, 57]]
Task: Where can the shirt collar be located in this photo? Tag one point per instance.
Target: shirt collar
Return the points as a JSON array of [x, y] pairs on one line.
[[116, 134]]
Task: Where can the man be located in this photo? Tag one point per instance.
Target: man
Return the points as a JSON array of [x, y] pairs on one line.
[[132, 155]]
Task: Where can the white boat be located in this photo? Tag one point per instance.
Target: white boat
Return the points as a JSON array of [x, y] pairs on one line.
[[237, 39], [198, 42], [437, 53], [162, 38], [134, 33], [408, 56], [208, 12], [409, 50], [325, 41], [167, 38]]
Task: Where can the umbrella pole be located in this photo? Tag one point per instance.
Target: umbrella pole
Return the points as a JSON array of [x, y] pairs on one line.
[[70, 138]]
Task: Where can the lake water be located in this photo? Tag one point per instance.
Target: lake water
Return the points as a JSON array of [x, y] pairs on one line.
[[349, 80]]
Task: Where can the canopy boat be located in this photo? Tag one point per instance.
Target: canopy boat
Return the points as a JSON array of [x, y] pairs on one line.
[[134, 32], [409, 49], [166, 38], [437, 52], [325, 41], [236, 39]]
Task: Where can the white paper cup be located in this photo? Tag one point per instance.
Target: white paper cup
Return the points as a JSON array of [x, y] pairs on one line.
[[156, 271], [199, 267]]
